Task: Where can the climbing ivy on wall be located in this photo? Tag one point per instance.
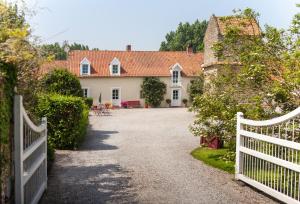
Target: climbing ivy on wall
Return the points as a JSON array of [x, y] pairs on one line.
[[7, 84]]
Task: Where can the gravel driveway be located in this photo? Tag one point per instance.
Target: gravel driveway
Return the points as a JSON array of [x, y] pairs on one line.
[[141, 156]]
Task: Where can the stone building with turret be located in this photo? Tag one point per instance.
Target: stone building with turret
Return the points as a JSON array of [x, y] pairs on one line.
[[215, 32]]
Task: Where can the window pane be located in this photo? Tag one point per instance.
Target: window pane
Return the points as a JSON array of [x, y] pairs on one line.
[[85, 69], [175, 94], [115, 69], [175, 76], [115, 94]]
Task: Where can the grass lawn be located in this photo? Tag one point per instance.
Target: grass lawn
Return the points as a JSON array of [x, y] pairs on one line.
[[213, 157]]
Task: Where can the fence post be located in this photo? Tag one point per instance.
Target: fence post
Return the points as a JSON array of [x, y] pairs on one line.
[[18, 149], [44, 122], [239, 115]]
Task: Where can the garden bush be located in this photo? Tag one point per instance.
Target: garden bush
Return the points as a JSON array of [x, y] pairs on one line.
[[62, 82], [153, 90], [89, 101], [67, 118], [196, 87], [7, 84]]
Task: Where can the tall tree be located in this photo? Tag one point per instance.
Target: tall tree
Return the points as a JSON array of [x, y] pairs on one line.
[[19, 62], [185, 35], [58, 51]]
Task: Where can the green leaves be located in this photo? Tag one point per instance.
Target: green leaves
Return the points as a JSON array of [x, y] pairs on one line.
[[67, 118], [63, 82], [268, 78], [196, 87], [58, 52], [185, 35], [153, 91]]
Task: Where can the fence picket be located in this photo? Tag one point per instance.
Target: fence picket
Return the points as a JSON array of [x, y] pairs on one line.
[[269, 160], [30, 156]]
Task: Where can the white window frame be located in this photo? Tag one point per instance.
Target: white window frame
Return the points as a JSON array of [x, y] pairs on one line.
[[178, 101], [115, 62], [85, 61], [88, 91], [177, 67], [120, 95]]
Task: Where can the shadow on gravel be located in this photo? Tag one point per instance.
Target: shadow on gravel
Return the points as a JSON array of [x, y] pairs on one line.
[[95, 140], [89, 184]]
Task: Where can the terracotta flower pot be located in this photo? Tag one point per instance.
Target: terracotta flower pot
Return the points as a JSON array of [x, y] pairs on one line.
[[214, 142]]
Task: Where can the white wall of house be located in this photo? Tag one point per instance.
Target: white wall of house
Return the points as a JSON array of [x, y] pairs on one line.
[[130, 88]]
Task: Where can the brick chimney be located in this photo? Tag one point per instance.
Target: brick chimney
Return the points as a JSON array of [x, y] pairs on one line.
[[189, 49], [128, 47]]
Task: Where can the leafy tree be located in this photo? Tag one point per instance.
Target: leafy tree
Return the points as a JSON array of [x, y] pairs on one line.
[[153, 91], [56, 50], [62, 82], [185, 35], [19, 62], [196, 87], [59, 51], [267, 81]]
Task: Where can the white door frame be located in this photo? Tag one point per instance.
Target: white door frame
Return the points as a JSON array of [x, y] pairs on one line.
[[178, 101], [115, 102]]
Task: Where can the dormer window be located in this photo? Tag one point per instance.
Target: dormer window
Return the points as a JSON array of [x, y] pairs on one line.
[[85, 67], [115, 67], [176, 75]]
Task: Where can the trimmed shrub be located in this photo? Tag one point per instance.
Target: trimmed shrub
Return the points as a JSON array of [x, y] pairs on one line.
[[185, 101], [63, 82], [89, 101], [168, 101], [67, 118], [153, 90], [50, 153]]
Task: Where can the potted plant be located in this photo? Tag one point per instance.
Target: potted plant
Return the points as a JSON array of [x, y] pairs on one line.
[[124, 104], [212, 134], [107, 105], [185, 101], [168, 101]]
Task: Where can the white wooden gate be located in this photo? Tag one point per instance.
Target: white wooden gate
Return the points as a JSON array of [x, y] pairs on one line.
[[268, 155], [30, 156]]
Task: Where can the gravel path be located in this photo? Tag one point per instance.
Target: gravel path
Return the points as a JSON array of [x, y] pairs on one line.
[[141, 156]]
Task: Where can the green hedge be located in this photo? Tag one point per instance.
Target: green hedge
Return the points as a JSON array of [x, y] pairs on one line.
[[61, 81], [67, 118], [8, 76], [88, 101]]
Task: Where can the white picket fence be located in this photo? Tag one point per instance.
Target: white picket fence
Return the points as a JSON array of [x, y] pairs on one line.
[[30, 156], [268, 155]]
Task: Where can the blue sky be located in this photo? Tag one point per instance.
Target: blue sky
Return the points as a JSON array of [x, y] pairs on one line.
[[112, 24]]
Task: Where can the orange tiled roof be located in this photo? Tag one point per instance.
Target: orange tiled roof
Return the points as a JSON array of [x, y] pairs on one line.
[[49, 66], [247, 26], [133, 63]]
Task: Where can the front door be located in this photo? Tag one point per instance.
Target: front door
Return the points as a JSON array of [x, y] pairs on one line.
[[176, 97], [116, 96]]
